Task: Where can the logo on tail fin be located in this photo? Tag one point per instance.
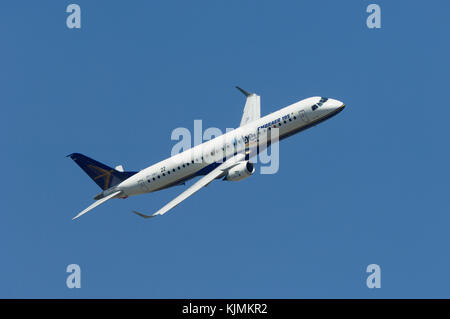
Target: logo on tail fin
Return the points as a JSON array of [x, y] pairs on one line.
[[106, 174]]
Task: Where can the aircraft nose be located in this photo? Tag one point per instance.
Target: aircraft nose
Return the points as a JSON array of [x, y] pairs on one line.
[[335, 104]]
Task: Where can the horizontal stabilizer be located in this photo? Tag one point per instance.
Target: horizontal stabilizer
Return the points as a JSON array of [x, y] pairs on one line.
[[95, 204]]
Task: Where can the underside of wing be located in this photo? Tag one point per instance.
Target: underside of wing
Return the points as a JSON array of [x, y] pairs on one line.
[[219, 171]]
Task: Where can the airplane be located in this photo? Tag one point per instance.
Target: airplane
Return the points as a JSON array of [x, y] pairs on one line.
[[227, 157]]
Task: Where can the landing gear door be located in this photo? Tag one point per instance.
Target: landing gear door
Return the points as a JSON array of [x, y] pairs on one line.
[[303, 116]]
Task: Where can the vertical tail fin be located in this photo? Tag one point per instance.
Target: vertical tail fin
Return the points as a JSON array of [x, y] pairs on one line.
[[104, 176]]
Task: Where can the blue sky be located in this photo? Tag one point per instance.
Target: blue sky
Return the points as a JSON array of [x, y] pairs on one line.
[[368, 186]]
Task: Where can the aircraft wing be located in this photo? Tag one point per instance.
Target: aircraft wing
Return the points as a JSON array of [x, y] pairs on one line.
[[95, 204], [202, 182], [252, 108]]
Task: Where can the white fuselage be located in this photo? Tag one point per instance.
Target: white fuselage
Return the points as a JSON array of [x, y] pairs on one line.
[[195, 161]]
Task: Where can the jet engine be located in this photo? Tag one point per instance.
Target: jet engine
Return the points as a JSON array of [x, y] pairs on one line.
[[240, 171]]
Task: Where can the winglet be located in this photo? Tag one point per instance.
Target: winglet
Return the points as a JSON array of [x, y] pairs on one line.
[[247, 94], [143, 215], [252, 108]]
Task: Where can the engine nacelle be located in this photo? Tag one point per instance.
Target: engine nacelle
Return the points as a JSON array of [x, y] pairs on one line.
[[240, 171]]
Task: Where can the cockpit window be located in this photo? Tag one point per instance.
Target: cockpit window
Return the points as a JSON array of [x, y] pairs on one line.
[[320, 103]]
